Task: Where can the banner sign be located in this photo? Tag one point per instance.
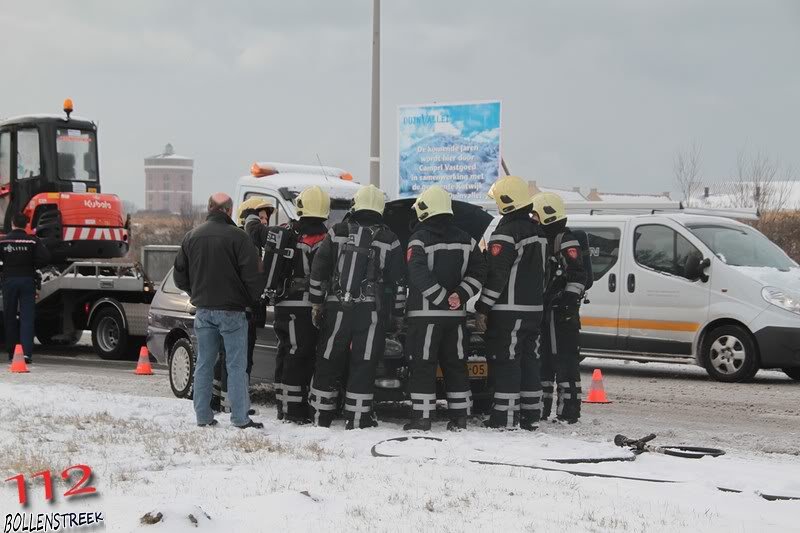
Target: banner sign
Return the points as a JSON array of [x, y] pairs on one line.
[[455, 146]]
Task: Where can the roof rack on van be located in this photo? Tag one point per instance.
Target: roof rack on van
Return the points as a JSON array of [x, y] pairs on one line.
[[629, 208]]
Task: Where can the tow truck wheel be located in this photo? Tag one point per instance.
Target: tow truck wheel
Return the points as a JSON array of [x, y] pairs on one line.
[[181, 368], [793, 373], [109, 336]]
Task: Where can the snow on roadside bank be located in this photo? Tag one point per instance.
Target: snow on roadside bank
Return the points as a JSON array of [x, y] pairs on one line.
[[147, 455]]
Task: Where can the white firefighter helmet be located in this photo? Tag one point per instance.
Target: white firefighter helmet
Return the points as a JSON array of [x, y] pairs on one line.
[[369, 197], [313, 202], [433, 201]]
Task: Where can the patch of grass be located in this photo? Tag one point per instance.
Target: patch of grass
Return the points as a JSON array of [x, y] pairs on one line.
[[250, 442], [27, 462]]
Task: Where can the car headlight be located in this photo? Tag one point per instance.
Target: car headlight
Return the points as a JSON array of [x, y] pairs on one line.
[[783, 299]]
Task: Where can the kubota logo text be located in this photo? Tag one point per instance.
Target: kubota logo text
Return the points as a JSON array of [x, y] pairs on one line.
[[97, 204]]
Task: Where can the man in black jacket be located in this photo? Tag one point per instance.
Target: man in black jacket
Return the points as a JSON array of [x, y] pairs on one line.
[[445, 269], [217, 267], [21, 255], [510, 307], [357, 265], [297, 335], [562, 322]]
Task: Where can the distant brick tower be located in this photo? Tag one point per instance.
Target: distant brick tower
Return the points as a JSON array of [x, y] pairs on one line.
[[168, 182]]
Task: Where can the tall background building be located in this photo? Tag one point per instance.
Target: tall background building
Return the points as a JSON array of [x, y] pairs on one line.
[[168, 182]]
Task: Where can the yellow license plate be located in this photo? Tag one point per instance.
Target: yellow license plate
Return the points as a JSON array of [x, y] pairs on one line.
[[477, 370]]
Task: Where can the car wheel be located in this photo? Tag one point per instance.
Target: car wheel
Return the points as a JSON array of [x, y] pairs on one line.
[[109, 336], [181, 368], [793, 373], [729, 354]]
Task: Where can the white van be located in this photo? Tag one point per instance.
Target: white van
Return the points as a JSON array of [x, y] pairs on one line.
[[678, 287], [281, 182]]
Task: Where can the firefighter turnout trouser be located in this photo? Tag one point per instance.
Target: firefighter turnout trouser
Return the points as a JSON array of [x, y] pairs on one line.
[[351, 344], [512, 347], [297, 343], [561, 363], [431, 345]]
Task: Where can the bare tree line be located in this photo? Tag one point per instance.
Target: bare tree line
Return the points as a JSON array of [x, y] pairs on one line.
[[760, 181]]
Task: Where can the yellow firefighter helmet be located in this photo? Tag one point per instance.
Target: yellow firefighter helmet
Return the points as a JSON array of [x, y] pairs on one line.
[[549, 207], [254, 204], [369, 197], [433, 201], [510, 193], [313, 202]]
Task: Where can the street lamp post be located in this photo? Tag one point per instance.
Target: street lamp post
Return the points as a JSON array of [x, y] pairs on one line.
[[375, 137]]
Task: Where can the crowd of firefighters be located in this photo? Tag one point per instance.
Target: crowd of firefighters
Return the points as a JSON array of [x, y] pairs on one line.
[[348, 286]]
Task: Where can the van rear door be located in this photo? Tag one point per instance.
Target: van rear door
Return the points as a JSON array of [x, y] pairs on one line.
[[600, 310], [661, 310]]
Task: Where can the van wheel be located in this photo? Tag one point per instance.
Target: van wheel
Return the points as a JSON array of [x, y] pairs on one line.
[[109, 336], [729, 354], [793, 373], [181, 368]]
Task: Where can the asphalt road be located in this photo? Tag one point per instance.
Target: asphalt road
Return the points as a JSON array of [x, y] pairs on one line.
[[679, 403]]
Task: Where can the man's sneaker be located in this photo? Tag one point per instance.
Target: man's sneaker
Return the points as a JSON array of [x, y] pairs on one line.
[[565, 420], [418, 424], [212, 423], [28, 359], [528, 425], [251, 424], [457, 424]]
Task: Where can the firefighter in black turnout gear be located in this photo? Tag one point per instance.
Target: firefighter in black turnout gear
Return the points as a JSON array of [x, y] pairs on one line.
[[252, 208], [288, 254], [21, 254], [355, 274], [566, 283], [510, 307], [445, 269]]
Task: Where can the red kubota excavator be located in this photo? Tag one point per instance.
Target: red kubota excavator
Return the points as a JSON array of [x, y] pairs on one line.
[[49, 171]]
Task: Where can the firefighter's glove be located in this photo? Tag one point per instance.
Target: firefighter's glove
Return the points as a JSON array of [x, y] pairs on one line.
[[569, 300], [317, 315], [481, 322]]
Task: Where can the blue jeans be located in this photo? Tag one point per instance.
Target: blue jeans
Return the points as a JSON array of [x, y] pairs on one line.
[[230, 327]]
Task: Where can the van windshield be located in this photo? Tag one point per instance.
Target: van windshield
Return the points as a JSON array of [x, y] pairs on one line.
[[741, 246]]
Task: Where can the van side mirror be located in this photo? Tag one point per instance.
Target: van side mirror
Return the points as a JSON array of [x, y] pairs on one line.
[[696, 266]]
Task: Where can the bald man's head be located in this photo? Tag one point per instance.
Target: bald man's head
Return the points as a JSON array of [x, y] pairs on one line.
[[219, 202]]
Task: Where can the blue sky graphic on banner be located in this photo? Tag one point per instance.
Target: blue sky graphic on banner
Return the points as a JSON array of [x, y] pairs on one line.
[[455, 146]]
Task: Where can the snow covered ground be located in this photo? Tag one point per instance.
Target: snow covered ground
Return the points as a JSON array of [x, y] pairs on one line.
[[147, 455]]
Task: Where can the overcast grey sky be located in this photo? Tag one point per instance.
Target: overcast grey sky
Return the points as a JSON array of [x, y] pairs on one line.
[[594, 93]]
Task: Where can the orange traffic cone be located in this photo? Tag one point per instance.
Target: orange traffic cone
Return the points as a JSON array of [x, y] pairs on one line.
[[18, 363], [597, 392], [143, 368]]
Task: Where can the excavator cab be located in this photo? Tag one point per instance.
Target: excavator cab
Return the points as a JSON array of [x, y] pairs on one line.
[[49, 170]]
